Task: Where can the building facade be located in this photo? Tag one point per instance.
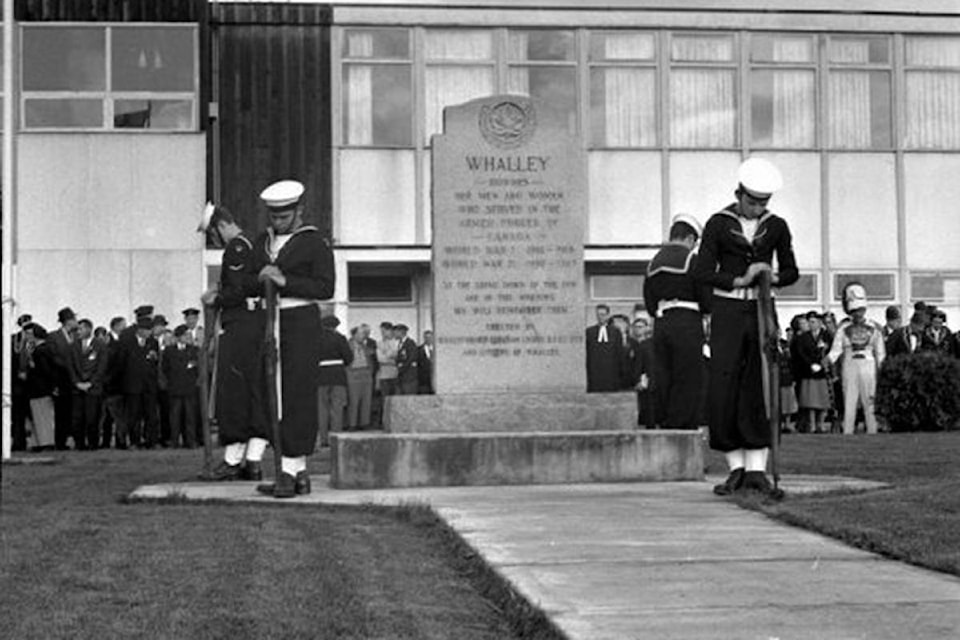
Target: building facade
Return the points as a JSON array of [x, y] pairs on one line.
[[131, 118]]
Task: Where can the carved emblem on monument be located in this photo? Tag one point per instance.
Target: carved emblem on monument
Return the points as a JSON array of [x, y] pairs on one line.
[[508, 124]]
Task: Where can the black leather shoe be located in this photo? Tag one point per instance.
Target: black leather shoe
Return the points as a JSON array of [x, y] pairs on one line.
[[302, 484], [223, 472], [251, 470], [285, 487], [757, 481], [733, 483]]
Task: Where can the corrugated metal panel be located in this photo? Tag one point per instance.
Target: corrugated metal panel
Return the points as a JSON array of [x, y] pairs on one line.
[[271, 13], [111, 10], [274, 116]]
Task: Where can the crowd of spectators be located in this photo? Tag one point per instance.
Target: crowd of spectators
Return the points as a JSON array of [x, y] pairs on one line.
[[620, 357], [89, 387]]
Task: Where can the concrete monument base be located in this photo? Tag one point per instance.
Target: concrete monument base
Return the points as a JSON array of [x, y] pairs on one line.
[[511, 413], [378, 460]]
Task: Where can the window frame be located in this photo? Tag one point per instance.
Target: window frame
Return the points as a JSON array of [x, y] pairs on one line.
[[815, 298], [872, 296], [735, 64], [907, 69], [108, 96], [925, 273], [773, 66], [654, 64], [889, 67], [412, 62]]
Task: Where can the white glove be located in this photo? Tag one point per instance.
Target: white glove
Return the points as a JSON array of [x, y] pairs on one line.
[[816, 368]]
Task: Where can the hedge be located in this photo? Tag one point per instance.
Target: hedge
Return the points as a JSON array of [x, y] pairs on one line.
[[919, 392]]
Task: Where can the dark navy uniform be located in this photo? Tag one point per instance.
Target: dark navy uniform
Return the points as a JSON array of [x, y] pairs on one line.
[[306, 261], [240, 407], [736, 413], [672, 294]]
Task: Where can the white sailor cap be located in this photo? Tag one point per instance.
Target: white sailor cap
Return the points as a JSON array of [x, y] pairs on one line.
[[282, 194], [688, 219], [759, 177], [205, 217]]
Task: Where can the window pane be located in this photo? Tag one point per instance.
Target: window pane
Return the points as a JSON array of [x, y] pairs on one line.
[[933, 110], [805, 288], [556, 86], [933, 52], [717, 48], [153, 114], [453, 85], [859, 110], [63, 113], [782, 108], [614, 287], [879, 286], [541, 45], [152, 59], [860, 50], [703, 109], [377, 103], [622, 46], [376, 43], [623, 107], [379, 288], [63, 59], [458, 45], [931, 287], [775, 48]]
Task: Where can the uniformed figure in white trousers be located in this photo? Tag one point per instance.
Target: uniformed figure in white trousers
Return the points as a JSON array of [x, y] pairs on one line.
[[860, 343]]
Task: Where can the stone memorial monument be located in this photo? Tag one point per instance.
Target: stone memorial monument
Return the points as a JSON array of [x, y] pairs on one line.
[[509, 212]]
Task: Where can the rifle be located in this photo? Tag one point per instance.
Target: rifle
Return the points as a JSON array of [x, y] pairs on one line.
[[770, 360], [208, 349], [271, 358]]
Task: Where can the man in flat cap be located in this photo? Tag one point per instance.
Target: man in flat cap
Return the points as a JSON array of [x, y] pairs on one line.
[[298, 260], [678, 301], [62, 341], [240, 407], [739, 243]]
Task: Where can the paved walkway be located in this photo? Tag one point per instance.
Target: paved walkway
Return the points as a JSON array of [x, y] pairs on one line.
[[669, 561]]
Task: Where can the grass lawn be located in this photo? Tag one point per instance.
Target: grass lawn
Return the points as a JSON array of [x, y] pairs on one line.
[[75, 562], [917, 520]]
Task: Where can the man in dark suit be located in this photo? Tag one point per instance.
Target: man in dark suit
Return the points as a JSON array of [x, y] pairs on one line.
[[136, 353], [425, 365], [907, 340], [62, 341], [648, 412], [407, 376], [88, 371], [20, 400], [180, 370], [604, 346], [113, 395]]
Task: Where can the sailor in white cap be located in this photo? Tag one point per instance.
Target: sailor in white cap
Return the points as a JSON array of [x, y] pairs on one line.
[[299, 261], [860, 343], [240, 407], [678, 302], [738, 244]]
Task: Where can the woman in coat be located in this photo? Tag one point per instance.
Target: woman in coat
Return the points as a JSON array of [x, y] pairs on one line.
[[812, 348], [40, 384]]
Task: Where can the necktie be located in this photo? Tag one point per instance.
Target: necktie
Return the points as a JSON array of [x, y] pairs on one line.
[[602, 335]]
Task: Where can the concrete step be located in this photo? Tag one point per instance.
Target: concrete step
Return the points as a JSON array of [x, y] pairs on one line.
[[510, 413], [379, 460]]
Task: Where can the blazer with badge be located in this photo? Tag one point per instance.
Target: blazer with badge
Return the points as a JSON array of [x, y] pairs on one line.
[[89, 364], [898, 343], [133, 367], [239, 281], [725, 253]]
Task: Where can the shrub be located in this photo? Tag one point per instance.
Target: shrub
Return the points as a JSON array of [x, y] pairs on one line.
[[919, 392]]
